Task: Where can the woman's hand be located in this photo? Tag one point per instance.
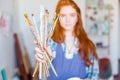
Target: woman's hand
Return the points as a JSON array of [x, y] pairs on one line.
[[40, 53], [40, 56]]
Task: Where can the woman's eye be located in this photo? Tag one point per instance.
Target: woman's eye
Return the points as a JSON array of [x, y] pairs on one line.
[[62, 15], [72, 15]]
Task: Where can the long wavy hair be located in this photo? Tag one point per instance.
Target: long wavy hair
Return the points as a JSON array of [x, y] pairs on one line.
[[86, 46]]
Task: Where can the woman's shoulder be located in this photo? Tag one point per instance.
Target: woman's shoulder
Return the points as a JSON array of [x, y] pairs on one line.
[[93, 70], [92, 56], [52, 44]]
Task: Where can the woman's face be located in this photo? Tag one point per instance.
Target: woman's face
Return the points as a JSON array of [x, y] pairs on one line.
[[68, 18]]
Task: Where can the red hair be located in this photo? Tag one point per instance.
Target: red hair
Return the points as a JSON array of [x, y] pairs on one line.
[[86, 46]]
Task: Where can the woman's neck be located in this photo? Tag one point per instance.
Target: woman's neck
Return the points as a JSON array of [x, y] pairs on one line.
[[69, 35]]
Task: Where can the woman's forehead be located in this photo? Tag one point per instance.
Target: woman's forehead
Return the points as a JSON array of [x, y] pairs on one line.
[[67, 9]]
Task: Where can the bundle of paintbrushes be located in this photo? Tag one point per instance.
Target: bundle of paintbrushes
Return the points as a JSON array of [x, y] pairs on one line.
[[42, 34]]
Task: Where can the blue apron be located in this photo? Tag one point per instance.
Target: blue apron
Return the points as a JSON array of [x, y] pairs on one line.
[[67, 68]]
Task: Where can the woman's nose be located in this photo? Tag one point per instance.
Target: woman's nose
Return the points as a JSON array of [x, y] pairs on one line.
[[67, 19]]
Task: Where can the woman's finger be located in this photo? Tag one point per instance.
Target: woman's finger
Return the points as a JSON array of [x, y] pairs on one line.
[[40, 55], [36, 42], [40, 58], [38, 50], [48, 51]]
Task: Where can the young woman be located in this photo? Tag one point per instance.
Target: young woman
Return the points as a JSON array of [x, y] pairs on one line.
[[74, 54]]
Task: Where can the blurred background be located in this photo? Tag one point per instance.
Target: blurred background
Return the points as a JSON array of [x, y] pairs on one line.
[[101, 20]]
